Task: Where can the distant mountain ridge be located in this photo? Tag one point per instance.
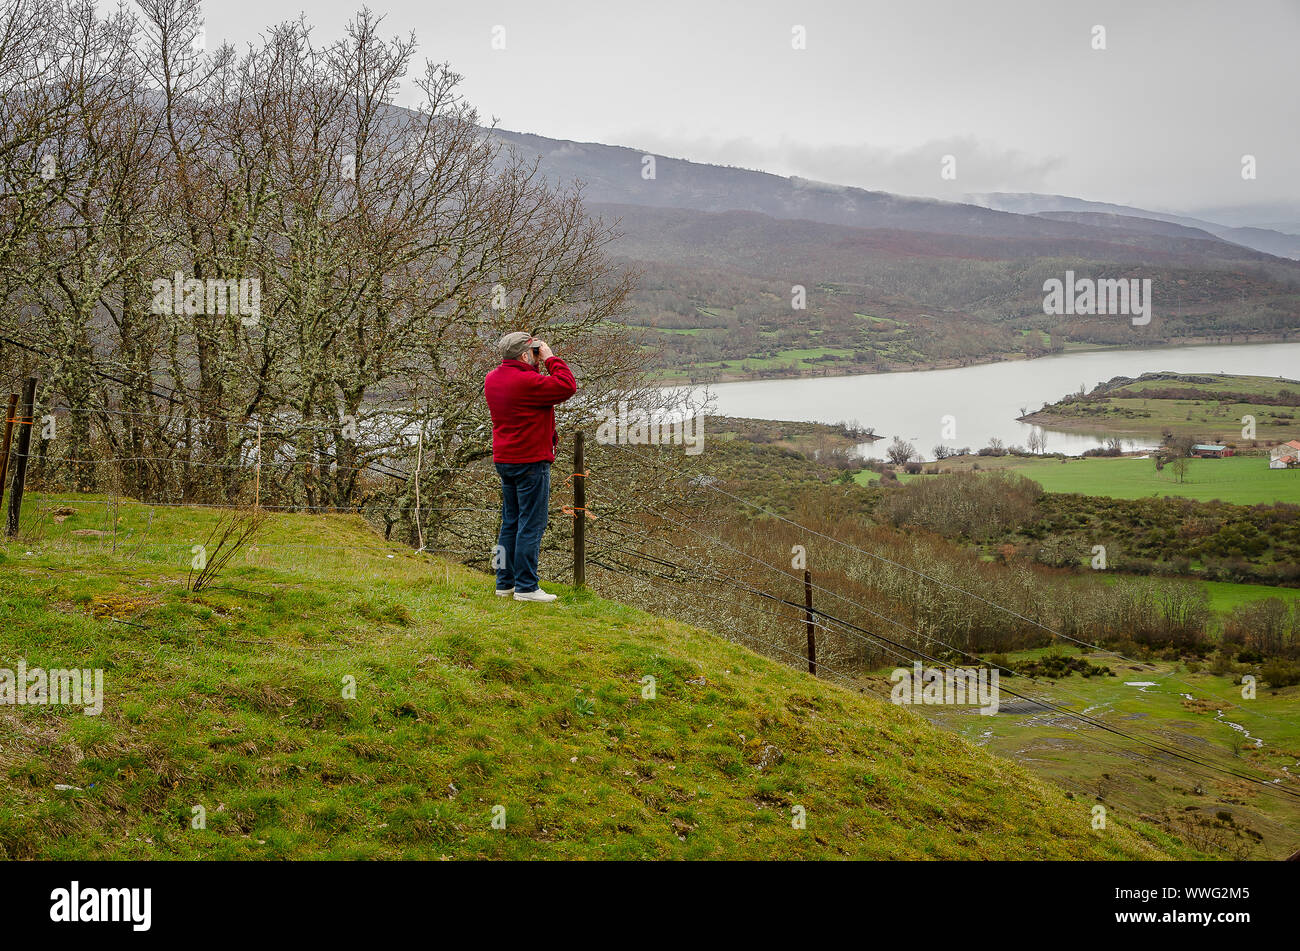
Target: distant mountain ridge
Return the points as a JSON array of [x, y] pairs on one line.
[[1277, 243], [896, 282], [762, 243], [613, 174]]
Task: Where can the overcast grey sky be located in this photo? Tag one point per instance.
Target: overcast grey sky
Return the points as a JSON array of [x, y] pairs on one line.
[[1013, 89]]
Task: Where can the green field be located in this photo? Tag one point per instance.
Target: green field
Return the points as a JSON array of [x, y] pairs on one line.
[[1040, 337], [1242, 480], [857, 343], [800, 359], [1239, 480], [466, 707], [1225, 595]]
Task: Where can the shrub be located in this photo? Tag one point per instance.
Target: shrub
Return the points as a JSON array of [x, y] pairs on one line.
[[1280, 673], [964, 504], [1221, 663]]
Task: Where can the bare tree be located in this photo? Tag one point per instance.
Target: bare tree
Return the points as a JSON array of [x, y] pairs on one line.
[[900, 452], [386, 250], [1179, 466], [1178, 451]]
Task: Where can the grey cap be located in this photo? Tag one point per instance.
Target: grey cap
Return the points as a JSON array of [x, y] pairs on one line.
[[512, 345]]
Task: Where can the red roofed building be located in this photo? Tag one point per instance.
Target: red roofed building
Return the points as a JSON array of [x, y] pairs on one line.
[[1285, 456]]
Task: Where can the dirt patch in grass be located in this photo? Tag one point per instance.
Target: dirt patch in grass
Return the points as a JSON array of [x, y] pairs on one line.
[[120, 605]]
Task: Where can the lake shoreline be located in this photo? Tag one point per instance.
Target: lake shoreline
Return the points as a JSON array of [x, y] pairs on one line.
[[1218, 340], [970, 406]]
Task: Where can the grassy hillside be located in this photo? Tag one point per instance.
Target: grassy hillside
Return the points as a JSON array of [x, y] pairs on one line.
[[232, 699], [942, 299], [1205, 406]]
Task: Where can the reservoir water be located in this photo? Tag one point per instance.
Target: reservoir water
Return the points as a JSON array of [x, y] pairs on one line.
[[983, 401]]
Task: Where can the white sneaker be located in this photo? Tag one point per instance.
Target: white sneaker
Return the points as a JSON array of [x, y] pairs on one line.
[[538, 595], [505, 592]]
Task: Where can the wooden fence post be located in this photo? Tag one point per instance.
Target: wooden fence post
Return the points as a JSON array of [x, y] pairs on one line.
[[808, 622], [20, 463], [579, 511], [4, 452]]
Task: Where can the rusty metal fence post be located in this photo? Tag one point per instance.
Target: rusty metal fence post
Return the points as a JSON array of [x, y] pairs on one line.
[[20, 461], [579, 510], [10, 419], [808, 622]]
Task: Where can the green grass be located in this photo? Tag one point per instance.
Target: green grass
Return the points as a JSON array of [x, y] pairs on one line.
[[803, 357], [1221, 383], [1080, 346], [1242, 480], [1226, 595], [1238, 480], [233, 699]]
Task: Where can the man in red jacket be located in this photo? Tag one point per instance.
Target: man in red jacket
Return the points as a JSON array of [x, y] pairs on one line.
[[522, 401]]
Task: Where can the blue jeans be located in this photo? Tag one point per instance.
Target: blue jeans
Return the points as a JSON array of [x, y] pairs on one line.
[[525, 495]]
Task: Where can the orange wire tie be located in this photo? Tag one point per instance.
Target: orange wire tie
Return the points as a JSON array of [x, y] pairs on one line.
[[570, 510], [577, 475]]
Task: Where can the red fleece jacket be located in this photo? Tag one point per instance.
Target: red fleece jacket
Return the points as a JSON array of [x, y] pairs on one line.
[[522, 402]]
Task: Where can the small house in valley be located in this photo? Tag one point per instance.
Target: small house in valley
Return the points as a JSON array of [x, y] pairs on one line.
[[1285, 456]]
